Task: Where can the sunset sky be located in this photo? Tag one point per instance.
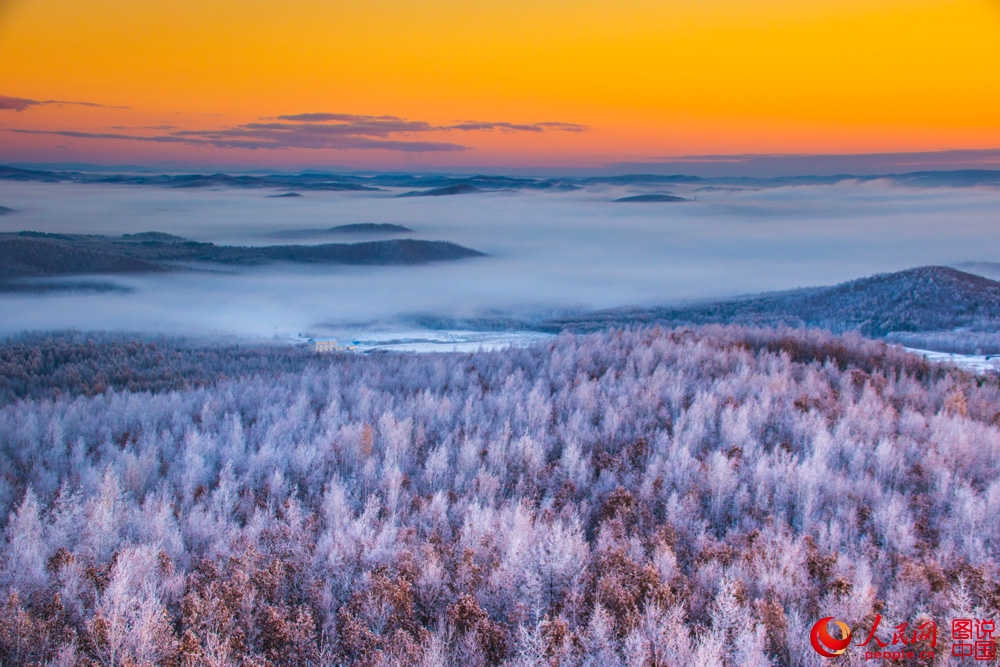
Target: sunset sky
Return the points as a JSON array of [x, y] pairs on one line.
[[449, 83]]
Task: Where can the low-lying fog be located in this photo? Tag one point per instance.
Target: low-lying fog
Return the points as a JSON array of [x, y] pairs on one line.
[[547, 250]]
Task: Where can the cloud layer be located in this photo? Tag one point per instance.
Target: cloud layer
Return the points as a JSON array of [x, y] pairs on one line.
[[420, 126], [314, 130], [547, 252], [8, 103]]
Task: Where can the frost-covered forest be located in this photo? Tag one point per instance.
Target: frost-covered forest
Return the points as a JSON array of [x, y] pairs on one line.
[[47, 365], [645, 496]]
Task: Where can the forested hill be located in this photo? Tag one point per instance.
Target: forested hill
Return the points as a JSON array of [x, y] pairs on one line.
[[50, 365], [24, 254], [920, 299]]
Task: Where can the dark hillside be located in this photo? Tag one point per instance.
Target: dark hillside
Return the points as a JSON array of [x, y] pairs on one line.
[[35, 254], [920, 299], [28, 256]]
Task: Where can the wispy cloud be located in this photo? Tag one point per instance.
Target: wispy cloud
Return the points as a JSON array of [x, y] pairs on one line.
[[8, 103], [472, 125], [255, 139], [322, 117], [142, 127], [357, 120], [330, 131]]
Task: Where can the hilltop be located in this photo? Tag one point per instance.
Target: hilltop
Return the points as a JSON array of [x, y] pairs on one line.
[[370, 228], [456, 189], [920, 299], [649, 198], [358, 228]]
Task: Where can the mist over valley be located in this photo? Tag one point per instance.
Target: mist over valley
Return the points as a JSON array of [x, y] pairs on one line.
[[547, 253]]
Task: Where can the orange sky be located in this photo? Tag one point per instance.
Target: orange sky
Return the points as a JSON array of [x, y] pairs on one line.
[[646, 78]]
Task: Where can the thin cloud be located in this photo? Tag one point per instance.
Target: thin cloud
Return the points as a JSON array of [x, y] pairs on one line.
[[324, 117], [474, 126], [360, 121], [142, 127], [8, 103], [15, 103], [398, 124], [261, 139], [565, 127], [101, 135], [322, 131], [369, 126]]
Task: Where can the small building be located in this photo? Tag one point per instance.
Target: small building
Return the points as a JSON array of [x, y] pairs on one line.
[[329, 345]]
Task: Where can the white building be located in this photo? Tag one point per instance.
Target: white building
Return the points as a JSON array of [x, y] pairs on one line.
[[328, 345]]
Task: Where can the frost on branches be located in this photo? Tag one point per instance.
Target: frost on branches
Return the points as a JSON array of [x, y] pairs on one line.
[[644, 497]]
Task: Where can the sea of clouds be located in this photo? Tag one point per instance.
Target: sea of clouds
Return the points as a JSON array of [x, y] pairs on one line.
[[547, 251]]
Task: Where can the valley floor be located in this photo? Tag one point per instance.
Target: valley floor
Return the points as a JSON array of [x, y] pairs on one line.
[[975, 363]]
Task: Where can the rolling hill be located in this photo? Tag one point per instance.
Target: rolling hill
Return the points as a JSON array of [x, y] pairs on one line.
[[920, 299], [649, 199], [36, 254], [358, 228]]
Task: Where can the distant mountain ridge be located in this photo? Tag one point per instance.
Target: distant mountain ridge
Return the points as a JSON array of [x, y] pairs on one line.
[[303, 181], [436, 184]]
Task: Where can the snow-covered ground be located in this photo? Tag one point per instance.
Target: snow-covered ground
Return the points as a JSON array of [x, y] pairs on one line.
[[977, 363], [431, 340], [427, 340]]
